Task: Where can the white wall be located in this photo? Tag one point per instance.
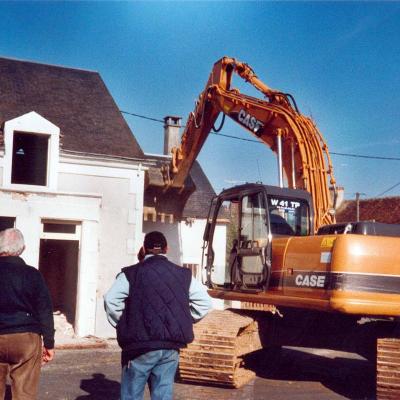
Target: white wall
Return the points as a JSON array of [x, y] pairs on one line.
[[108, 202], [192, 241], [102, 194], [30, 208], [120, 232], [1, 167]]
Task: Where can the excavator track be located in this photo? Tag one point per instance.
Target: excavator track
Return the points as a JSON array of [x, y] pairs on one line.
[[215, 356], [388, 369], [222, 338]]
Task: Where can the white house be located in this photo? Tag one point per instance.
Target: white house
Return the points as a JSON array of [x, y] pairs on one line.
[[75, 181]]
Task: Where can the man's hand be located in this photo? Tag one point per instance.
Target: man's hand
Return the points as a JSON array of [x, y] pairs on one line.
[[47, 355]]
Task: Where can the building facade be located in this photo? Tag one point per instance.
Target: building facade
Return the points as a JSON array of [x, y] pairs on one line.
[[75, 181]]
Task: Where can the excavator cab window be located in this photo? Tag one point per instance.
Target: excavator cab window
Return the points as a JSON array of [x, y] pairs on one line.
[[223, 231], [253, 241], [288, 216]]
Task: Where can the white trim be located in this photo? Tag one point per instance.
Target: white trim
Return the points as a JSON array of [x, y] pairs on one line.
[[85, 315], [96, 169], [61, 236], [132, 174], [100, 159], [36, 190]]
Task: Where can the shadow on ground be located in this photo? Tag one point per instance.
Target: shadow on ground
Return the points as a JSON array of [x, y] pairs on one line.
[[353, 378], [99, 388]]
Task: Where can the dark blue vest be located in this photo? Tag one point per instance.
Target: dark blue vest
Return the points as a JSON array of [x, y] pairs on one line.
[[157, 314]]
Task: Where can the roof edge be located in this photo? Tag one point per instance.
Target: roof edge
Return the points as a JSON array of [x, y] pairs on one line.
[[47, 64]]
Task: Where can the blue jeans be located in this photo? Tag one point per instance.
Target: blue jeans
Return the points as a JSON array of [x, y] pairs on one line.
[[155, 367]]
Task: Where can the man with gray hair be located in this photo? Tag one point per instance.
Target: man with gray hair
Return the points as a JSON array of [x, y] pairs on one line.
[[26, 316]]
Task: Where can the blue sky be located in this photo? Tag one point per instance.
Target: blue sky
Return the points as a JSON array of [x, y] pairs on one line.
[[340, 60]]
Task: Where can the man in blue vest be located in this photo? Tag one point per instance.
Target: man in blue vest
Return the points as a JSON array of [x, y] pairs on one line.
[[153, 305]]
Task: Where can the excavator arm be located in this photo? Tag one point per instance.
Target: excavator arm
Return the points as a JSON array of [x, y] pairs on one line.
[[302, 152]]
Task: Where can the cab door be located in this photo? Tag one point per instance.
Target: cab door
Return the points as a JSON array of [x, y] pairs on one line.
[[253, 254], [239, 228]]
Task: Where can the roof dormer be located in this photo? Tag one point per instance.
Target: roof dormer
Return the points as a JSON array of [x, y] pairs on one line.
[[31, 153]]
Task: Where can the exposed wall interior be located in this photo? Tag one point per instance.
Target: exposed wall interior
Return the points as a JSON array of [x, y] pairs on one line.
[[6, 223], [58, 262], [29, 159]]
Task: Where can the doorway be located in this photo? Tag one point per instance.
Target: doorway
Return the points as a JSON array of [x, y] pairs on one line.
[[58, 263]]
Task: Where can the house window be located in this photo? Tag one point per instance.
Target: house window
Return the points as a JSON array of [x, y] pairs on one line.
[[6, 223], [29, 159], [59, 227]]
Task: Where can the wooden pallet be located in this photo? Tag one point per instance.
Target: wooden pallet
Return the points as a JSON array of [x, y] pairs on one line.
[[388, 369], [215, 356]]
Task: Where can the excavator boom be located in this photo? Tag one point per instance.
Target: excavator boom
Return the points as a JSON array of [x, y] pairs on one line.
[[321, 283], [302, 152]]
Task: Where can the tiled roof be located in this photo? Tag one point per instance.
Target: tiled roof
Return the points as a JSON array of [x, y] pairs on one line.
[[199, 201], [385, 209], [77, 101], [191, 202]]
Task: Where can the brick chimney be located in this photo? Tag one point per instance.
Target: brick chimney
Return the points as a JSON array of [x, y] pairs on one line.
[[172, 127]]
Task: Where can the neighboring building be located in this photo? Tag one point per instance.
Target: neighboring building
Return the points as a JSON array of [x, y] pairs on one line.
[[181, 214], [72, 178], [385, 209]]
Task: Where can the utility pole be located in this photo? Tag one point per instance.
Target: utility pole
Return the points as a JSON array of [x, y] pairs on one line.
[[358, 194]]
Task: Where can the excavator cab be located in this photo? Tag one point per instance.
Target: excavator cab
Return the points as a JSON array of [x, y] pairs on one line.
[[244, 220]]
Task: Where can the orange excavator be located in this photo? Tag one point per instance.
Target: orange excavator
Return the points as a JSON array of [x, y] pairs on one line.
[[278, 248]]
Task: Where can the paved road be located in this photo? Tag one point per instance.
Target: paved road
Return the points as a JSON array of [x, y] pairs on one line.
[[296, 375]]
